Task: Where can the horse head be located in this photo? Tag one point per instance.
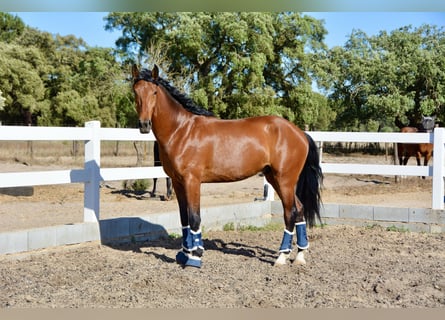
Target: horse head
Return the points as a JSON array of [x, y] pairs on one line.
[[428, 123], [145, 91]]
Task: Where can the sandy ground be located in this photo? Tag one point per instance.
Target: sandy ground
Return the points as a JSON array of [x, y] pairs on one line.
[[346, 266]]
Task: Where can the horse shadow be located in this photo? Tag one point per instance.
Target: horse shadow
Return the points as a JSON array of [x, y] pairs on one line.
[[133, 194], [263, 254], [152, 237]]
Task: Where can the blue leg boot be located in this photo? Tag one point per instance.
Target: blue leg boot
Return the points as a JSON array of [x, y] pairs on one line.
[[286, 243], [187, 259], [187, 240], [197, 240], [302, 241], [192, 248], [285, 248]]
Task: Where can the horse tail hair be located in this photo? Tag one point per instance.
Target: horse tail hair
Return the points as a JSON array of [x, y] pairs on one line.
[[309, 184]]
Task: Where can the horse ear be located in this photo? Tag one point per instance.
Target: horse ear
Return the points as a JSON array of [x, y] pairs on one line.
[[155, 72], [135, 71]]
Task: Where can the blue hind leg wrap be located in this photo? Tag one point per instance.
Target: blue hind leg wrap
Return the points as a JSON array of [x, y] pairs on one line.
[[302, 241], [286, 243]]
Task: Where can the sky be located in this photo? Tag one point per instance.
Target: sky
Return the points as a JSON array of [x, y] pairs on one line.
[[90, 25]]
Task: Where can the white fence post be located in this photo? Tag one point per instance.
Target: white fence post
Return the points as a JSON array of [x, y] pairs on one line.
[[92, 167], [438, 169]]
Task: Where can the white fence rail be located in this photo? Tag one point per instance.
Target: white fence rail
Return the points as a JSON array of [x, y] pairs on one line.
[[92, 173], [436, 171]]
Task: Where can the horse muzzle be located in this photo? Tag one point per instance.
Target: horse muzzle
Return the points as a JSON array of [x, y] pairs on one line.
[[144, 126]]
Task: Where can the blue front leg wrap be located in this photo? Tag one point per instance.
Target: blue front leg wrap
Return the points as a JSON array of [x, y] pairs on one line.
[[197, 240], [187, 259], [302, 241], [187, 239], [191, 240], [286, 243], [191, 243]]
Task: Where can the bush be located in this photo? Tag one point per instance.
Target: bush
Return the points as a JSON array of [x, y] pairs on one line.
[[139, 185]]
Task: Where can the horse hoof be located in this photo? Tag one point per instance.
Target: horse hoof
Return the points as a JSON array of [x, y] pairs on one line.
[[282, 259], [165, 198], [300, 258], [187, 260]]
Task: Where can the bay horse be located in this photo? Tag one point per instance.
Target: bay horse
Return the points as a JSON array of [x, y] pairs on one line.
[[418, 150], [157, 163], [196, 147]]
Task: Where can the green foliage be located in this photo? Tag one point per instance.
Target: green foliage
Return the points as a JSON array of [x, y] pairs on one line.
[[230, 226], [2, 101], [394, 228], [138, 185], [59, 79], [174, 236], [237, 64], [388, 77], [272, 226], [20, 81], [11, 27]]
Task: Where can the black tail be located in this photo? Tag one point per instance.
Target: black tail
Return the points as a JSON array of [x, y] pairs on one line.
[[309, 184]]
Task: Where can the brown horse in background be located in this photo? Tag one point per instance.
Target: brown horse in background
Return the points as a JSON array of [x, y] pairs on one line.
[[196, 147], [418, 150]]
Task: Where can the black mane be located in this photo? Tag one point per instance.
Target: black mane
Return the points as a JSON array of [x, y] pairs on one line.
[[182, 98]]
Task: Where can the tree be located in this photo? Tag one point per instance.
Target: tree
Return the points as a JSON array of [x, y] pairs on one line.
[[59, 80], [236, 64], [389, 78], [20, 81], [2, 101], [11, 27]]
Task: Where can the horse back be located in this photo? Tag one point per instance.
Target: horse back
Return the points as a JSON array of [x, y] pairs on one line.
[[270, 132], [409, 129], [231, 150]]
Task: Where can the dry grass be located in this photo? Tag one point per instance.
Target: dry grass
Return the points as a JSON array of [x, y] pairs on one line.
[[71, 154]]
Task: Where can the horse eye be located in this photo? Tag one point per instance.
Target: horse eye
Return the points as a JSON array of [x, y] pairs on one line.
[[155, 93]]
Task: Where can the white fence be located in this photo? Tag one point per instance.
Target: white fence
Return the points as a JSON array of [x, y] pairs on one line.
[[436, 171], [92, 174]]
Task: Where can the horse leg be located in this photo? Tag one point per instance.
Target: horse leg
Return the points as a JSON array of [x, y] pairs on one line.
[[418, 157], [405, 160], [153, 191], [192, 244], [169, 188], [300, 230], [426, 159], [286, 242], [400, 153], [293, 218], [187, 242]]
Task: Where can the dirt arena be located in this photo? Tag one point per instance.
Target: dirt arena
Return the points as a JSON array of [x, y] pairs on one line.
[[347, 267]]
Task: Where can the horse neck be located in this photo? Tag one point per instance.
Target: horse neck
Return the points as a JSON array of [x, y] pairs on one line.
[[168, 116]]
